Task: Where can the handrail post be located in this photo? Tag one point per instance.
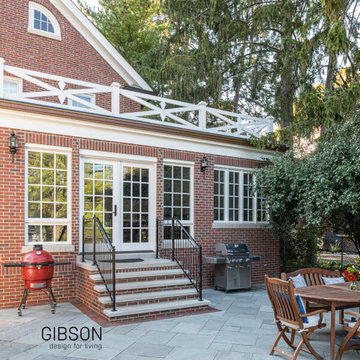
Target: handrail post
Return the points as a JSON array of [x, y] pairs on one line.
[[200, 273], [83, 240], [94, 242], [173, 239], [114, 279], [157, 237]]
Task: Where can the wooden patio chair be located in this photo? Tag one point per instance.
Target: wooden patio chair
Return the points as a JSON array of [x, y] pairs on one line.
[[353, 329], [288, 317]]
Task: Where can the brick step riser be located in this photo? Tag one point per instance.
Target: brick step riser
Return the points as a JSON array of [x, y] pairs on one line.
[[153, 268], [153, 301], [160, 314], [147, 278], [145, 290]]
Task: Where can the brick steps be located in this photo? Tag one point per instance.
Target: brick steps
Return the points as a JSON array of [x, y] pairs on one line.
[[148, 289]]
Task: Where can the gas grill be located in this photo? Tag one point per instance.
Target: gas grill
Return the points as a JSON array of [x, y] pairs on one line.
[[232, 266]]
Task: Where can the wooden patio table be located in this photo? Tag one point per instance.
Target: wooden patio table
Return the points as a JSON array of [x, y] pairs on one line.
[[337, 296]]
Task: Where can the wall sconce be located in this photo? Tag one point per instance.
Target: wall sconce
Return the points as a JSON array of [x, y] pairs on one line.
[[13, 145], [204, 164]]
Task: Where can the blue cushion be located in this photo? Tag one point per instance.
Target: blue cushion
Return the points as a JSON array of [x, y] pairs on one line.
[[334, 280], [301, 305], [298, 281], [301, 308]]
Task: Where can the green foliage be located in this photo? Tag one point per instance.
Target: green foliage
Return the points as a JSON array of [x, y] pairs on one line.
[[137, 29], [321, 188]]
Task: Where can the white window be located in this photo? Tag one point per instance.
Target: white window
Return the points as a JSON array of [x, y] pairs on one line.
[[88, 98], [177, 196], [11, 86], [234, 200], [47, 196], [43, 22]]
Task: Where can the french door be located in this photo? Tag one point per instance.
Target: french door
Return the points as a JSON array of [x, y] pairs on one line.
[[121, 195]]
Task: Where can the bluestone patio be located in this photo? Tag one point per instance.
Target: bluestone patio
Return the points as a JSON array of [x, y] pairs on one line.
[[242, 329]]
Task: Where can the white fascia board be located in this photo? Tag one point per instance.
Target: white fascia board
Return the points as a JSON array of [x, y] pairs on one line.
[[89, 31], [57, 125]]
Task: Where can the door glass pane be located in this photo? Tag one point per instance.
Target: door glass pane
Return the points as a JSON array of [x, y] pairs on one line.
[[135, 205], [98, 194]]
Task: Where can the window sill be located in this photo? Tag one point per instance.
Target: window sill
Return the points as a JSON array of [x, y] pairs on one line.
[[230, 225], [44, 33], [52, 248]]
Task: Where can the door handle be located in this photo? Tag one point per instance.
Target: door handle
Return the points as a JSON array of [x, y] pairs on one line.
[[115, 210]]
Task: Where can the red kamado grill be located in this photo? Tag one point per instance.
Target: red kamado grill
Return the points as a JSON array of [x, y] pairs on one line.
[[37, 270]]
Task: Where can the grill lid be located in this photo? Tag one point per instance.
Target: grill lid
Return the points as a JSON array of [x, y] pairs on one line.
[[232, 249], [37, 257]]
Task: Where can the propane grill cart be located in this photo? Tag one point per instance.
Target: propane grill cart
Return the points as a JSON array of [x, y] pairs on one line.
[[37, 270]]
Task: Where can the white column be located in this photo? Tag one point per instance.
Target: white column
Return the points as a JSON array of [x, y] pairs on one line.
[[202, 115], [115, 99], [2, 66]]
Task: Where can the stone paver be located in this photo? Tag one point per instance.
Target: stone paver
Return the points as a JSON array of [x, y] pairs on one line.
[[243, 329]]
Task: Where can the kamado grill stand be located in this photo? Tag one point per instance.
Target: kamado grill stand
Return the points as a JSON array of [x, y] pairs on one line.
[[232, 266], [37, 270]]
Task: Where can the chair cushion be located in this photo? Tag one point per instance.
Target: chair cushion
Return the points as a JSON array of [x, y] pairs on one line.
[[298, 281], [312, 321], [333, 280]]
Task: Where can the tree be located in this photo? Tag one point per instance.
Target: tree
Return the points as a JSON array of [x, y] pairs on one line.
[[137, 29], [319, 189]]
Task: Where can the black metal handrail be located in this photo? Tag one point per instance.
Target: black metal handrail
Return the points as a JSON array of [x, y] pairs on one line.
[[101, 252], [184, 250]]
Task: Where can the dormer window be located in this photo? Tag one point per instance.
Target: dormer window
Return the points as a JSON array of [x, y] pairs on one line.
[[43, 22]]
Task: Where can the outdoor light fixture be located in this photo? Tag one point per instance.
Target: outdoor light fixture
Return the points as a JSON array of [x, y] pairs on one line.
[[13, 145], [204, 164]]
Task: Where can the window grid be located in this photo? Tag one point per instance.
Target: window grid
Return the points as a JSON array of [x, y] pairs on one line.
[[248, 199], [42, 22], [219, 195], [234, 196], [98, 195], [238, 204], [47, 196], [135, 205], [261, 209], [177, 192]]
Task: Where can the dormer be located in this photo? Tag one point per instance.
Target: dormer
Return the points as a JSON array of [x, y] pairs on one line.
[[42, 22]]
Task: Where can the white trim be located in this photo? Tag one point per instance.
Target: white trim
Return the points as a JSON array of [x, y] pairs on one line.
[[58, 125], [233, 168], [178, 162], [50, 221], [42, 9], [88, 30], [51, 247], [103, 155], [48, 148]]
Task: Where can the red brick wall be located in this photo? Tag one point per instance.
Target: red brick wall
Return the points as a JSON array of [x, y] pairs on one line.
[[71, 57], [12, 176]]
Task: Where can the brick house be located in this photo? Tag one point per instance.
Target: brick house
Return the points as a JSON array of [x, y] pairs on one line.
[[93, 139]]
